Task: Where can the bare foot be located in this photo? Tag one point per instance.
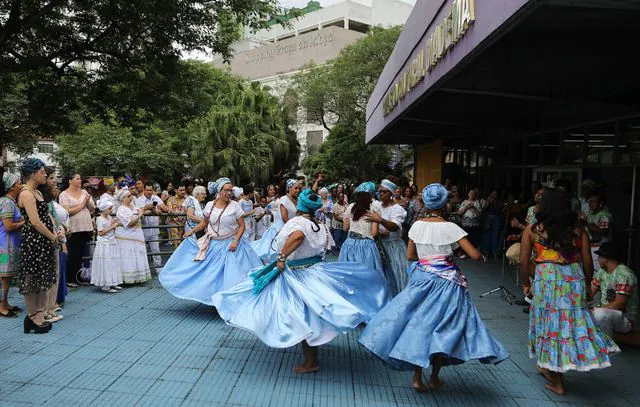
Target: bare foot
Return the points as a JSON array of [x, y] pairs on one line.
[[556, 388], [435, 383], [419, 386], [306, 368], [545, 373]]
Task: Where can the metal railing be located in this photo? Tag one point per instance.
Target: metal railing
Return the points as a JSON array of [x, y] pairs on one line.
[[164, 254]]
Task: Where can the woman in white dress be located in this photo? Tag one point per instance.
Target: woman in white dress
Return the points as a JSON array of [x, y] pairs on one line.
[[131, 245], [283, 209], [105, 267], [298, 298], [390, 219]]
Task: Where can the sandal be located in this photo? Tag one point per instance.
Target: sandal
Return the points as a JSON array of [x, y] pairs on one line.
[[10, 314]]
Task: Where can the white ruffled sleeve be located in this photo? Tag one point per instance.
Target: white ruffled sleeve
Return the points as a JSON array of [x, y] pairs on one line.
[[207, 209], [436, 233], [318, 241], [124, 215]]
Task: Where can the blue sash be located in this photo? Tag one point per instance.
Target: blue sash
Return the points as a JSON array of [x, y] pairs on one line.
[[266, 274]]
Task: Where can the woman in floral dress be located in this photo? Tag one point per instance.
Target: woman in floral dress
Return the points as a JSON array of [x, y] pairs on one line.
[[10, 226], [562, 333]]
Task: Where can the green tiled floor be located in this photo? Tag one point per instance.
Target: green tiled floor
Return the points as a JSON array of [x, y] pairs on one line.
[[142, 347]]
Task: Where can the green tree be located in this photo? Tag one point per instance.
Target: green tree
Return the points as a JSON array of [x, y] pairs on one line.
[[335, 96], [61, 49], [101, 149], [242, 135]]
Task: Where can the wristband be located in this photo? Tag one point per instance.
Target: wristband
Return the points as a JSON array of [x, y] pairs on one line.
[[282, 258]]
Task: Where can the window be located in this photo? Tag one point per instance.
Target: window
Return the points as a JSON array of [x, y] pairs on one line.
[[314, 140], [45, 148]]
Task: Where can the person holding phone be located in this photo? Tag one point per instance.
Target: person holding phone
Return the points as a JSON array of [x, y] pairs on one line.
[[152, 205]]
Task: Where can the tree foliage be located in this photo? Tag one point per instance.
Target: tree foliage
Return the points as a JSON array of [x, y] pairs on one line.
[[61, 55], [70, 35], [100, 148], [242, 136], [335, 96]]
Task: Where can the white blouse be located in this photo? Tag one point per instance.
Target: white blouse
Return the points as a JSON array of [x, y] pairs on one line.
[[289, 206], [361, 226], [396, 214], [436, 238], [228, 224], [314, 243], [101, 224]]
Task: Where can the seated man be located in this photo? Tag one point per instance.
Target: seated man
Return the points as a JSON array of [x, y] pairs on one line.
[[618, 286]]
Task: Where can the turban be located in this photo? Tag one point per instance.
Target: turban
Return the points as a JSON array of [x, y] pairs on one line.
[[104, 204], [388, 185], [323, 191], [368, 186], [108, 181], [123, 193], [216, 186], [306, 204], [435, 196], [291, 182], [129, 181], [9, 180], [237, 191]]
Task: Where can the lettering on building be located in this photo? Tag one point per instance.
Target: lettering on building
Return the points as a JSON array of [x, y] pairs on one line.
[[460, 16], [289, 47]]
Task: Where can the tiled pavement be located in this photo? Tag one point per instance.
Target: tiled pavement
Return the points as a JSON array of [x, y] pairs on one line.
[[142, 347]]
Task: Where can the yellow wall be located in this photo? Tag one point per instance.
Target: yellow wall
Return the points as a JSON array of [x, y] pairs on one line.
[[428, 167]]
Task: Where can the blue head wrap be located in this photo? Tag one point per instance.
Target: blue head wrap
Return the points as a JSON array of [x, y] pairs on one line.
[[9, 180], [31, 165], [305, 204], [435, 196], [129, 181], [368, 186], [216, 186], [388, 185]]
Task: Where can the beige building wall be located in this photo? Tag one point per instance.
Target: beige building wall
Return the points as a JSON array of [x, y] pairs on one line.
[[291, 54]]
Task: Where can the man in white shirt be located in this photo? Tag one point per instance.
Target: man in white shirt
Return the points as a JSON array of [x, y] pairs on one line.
[[152, 204]]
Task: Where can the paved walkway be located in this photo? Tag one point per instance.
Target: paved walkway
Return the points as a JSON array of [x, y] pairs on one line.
[[142, 347]]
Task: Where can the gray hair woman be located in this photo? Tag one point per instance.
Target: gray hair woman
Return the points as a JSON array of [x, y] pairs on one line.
[[37, 262], [193, 206]]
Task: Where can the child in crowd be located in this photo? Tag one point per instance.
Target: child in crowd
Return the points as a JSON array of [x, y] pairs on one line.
[[263, 217], [246, 203], [105, 268]]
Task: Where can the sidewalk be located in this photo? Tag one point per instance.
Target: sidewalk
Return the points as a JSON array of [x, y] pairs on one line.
[[142, 347]]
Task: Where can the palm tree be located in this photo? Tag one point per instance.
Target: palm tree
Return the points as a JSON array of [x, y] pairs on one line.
[[241, 136]]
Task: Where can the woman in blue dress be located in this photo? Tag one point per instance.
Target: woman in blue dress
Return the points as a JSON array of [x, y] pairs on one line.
[[360, 245], [216, 261], [433, 321], [282, 209], [298, 298]]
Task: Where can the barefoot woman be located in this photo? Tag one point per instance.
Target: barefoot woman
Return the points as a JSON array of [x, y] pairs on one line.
[[433, 321], [299, 298], [562, 334]]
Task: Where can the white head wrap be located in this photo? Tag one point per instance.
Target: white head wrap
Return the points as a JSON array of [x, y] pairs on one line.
[[104, 204], [237, 191], [323, 191], [215, 186], [123, 193]]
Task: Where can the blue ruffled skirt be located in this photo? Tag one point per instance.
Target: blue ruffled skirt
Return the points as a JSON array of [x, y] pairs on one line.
[[313, 304], [199, 280], [364, 251], [263, 246], [432, 316], [395, 266]]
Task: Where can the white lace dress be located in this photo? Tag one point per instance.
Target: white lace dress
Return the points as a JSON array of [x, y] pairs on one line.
[[134, 263], [105, 267]]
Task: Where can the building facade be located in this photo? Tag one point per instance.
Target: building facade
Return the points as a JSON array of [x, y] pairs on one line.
[[274, 56], [45, 150], [504, 93]]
